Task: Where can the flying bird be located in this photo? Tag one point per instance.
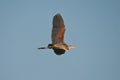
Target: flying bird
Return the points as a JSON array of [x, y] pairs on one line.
[[58, 45]]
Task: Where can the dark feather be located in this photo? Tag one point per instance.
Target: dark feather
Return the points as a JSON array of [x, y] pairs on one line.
[[58, 29], [59, 51]]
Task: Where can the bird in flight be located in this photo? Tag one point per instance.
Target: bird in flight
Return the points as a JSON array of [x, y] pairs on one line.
[[58, 45]]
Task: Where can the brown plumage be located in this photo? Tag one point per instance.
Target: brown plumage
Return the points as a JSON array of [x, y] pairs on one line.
[[58, 30]]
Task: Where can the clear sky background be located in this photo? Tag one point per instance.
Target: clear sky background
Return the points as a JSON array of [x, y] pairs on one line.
[[93, 26]]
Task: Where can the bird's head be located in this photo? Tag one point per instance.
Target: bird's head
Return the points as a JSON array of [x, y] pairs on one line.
[[64, 46], [70, 47]]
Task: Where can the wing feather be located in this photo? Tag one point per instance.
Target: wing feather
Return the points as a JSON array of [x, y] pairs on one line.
[[58, 30]]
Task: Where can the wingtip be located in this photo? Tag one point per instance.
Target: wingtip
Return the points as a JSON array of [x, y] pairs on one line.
[[57, 14]]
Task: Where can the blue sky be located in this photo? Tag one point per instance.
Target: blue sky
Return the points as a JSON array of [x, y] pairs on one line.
[[93, 26]]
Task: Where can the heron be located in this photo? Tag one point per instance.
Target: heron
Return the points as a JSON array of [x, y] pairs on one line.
[[58, 45]]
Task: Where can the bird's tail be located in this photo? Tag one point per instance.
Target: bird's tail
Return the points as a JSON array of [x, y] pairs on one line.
[[50, 46], [43, 48]]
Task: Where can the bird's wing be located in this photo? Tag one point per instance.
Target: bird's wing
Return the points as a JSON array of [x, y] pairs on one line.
[[58, 30]]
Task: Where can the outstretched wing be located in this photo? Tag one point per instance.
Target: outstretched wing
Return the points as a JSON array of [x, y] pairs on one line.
[[58, 30]]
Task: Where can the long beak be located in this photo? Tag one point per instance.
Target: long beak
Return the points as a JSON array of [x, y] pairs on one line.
[[72, 46]]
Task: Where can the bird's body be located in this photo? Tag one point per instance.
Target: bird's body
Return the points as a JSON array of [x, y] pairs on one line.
[[58, 30]]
